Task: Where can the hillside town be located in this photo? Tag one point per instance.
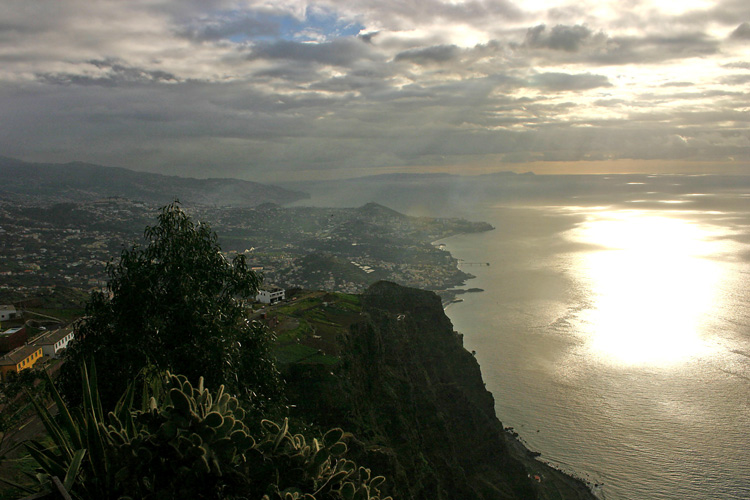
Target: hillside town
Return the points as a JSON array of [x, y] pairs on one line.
[[345, 249], [23, 346]]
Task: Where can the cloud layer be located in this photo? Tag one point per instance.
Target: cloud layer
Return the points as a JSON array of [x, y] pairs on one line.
[[267, 90]]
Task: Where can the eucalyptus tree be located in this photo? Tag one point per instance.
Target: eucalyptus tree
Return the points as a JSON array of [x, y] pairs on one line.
[[175, 303]]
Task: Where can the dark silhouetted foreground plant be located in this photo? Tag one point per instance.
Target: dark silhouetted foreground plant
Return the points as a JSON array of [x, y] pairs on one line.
[[188, 442]]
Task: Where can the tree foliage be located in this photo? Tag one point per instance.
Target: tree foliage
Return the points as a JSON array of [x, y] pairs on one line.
[[176, 303]]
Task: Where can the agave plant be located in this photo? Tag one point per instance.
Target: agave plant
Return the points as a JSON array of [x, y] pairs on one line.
[[188, 442], [77, 451]]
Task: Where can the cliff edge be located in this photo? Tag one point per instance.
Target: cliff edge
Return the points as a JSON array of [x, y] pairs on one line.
[[415, 400]]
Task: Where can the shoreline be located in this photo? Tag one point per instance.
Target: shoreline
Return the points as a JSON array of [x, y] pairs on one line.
[[517, 447], [540, 468], [448, 296], [451, 295]]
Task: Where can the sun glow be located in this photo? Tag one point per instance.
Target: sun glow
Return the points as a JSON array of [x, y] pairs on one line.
[[652, 285]]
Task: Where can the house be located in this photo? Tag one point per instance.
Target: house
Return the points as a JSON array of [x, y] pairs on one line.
[[270, 295], [19, 359], [54, 342], [12, 338], [8, 312]]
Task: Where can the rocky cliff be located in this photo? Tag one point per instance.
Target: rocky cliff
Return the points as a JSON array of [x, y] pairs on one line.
[[415, 400]]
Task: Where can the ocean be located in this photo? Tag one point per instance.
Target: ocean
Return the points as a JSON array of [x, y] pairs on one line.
[[616, 342], [614, 326]]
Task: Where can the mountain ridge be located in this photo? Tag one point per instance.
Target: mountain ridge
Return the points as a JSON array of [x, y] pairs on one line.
[[80, 181]]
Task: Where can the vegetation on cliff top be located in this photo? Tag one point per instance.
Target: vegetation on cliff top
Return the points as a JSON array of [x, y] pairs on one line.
[[394, 373]]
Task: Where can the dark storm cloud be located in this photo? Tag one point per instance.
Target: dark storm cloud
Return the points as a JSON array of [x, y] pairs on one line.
[[556, 82], [577, 43], [727, 12], [677, 84], [9, 31], [367, 37], [737, 65], [561, 37], [288, 73], [339, 52], [428, 55], [656, 48], [742, 32], [740, 79], [354, 81], [112, 74], [408, 14], [228, 87]]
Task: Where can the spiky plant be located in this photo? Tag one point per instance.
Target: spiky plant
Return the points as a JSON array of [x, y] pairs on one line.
[[189, 442]]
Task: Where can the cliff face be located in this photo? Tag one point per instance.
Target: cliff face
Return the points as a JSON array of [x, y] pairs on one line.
[[415, 398]]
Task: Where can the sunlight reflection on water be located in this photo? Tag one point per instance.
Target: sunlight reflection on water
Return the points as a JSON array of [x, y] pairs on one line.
[[616, 342], [652, 283]]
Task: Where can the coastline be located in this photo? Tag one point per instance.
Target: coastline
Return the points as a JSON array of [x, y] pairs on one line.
[[449, 296], [439, 418], [533, 460]]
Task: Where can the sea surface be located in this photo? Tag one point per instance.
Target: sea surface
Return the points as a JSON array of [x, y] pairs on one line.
[[616, 341], [614, 326]]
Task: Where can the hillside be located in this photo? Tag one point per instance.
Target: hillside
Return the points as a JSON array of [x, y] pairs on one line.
[[79, 182]]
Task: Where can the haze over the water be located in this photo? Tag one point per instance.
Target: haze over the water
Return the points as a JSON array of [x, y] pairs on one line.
[[322, 89]]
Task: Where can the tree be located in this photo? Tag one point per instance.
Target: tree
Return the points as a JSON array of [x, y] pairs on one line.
[[178, 304]]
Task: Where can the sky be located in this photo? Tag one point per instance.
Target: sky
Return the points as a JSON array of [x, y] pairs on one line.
[[297, 90]]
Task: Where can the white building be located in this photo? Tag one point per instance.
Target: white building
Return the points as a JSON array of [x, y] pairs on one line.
[[8, 312], [53, 342], [270, 295]]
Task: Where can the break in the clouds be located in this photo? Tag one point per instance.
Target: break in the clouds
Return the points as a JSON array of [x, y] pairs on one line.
[[268, 90]]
